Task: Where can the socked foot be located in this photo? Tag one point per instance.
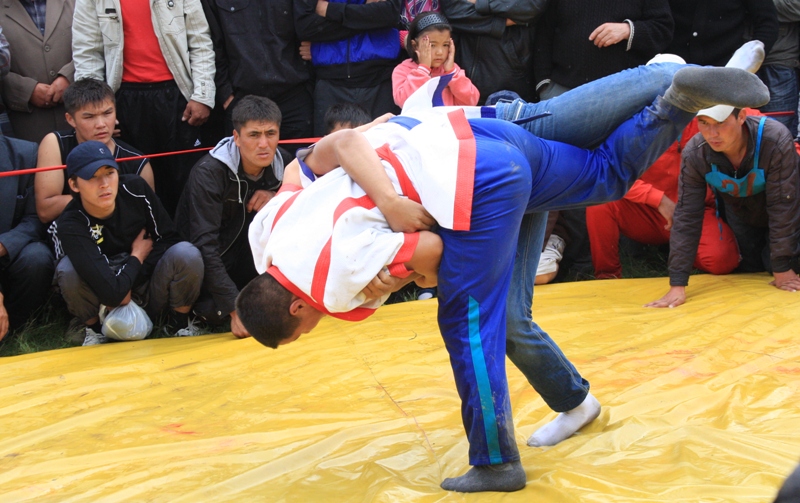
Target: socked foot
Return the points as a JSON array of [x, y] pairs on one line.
[[506, 477], [699, 87], [566, 423], [748, 57]]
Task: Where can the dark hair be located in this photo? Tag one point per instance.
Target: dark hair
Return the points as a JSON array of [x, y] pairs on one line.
[[424, 22], [263, 309], [736, 111], [85, 92], [351, 114], [255, 108]]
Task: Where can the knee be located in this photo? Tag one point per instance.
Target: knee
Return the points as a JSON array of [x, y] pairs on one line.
[[600, 217], [66, 276], [35, 263], [723, 263], [188, 261]]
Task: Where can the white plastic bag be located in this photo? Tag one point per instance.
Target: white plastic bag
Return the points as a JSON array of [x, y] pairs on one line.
[[127, 323]]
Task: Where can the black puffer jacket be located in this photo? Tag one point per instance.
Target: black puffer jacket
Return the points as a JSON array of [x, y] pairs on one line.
[[212, 213], [493, 55]]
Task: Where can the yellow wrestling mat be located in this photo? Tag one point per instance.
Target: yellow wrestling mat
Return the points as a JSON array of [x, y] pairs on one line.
[[700, 403]]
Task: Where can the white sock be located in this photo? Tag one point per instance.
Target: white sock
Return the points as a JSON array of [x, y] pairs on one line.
[[566, 423], [748, 57]]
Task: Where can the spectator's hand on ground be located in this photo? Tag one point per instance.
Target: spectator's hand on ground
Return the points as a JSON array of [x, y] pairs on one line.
[[667, 208], [788, 281], [674, 298], [259, 200], [141, 247], [40, 97], [423, 51], [3, 318], [237, 328], [509, 22], [450, 62], [305, 50], [227, 102], [405, 215], [196, 113], [322, 8], [608, 34], [57, 89]]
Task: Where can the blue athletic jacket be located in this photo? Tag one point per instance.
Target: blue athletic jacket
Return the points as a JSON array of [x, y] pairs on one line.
[[354, 55]]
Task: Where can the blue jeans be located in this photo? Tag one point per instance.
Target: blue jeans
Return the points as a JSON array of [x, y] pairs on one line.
[[782, 83], [582, 117]]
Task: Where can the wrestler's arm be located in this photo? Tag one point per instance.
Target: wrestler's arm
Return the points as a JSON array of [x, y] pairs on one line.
[[424, 263], [426, 258], [349, 149]]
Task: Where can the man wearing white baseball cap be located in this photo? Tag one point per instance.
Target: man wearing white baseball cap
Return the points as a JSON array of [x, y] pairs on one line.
[[752, 166]]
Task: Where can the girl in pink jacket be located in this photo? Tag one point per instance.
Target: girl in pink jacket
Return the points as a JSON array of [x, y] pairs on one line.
[[432, 55]]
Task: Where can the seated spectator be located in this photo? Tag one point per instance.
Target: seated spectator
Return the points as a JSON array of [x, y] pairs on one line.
[[40, 36], [645, 215], [226, 188], [116, 244], [345, 116], [433, 52], [91, 112], [26, 264], [752, 165]]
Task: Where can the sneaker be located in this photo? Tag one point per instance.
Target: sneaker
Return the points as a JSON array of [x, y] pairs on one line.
[[551, 256], [426, 293], [666, 58], [189, 330], [93, 338]]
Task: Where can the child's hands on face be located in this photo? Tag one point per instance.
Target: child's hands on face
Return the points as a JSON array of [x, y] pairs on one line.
[[424, 51], [450, 62]]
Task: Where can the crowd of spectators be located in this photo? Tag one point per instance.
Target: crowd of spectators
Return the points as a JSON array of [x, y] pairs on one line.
[[88, 82]]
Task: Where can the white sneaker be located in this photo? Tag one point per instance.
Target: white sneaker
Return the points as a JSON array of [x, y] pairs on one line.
[[666, 58], [551, 256], [93, 338], [425, 295], [189, 330]]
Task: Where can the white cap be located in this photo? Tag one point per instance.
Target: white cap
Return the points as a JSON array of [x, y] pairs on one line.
[[719, 113]]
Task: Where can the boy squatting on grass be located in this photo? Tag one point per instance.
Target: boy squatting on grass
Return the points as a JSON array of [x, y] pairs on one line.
[[476, 177]]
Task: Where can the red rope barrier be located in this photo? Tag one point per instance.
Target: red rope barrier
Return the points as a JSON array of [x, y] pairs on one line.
[[20, 172], [305, 141]]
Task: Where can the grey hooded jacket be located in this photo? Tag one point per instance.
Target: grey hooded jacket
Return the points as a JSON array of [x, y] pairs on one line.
[[212, 213]]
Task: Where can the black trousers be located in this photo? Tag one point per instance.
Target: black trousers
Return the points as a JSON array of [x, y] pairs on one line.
[[150, 120], [377, 100], [26, 281]]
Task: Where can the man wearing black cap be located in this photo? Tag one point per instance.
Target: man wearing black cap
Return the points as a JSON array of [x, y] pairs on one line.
[[115, 242]]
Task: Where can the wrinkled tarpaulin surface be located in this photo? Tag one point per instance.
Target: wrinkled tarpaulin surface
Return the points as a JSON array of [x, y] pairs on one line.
[[700, 404]]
